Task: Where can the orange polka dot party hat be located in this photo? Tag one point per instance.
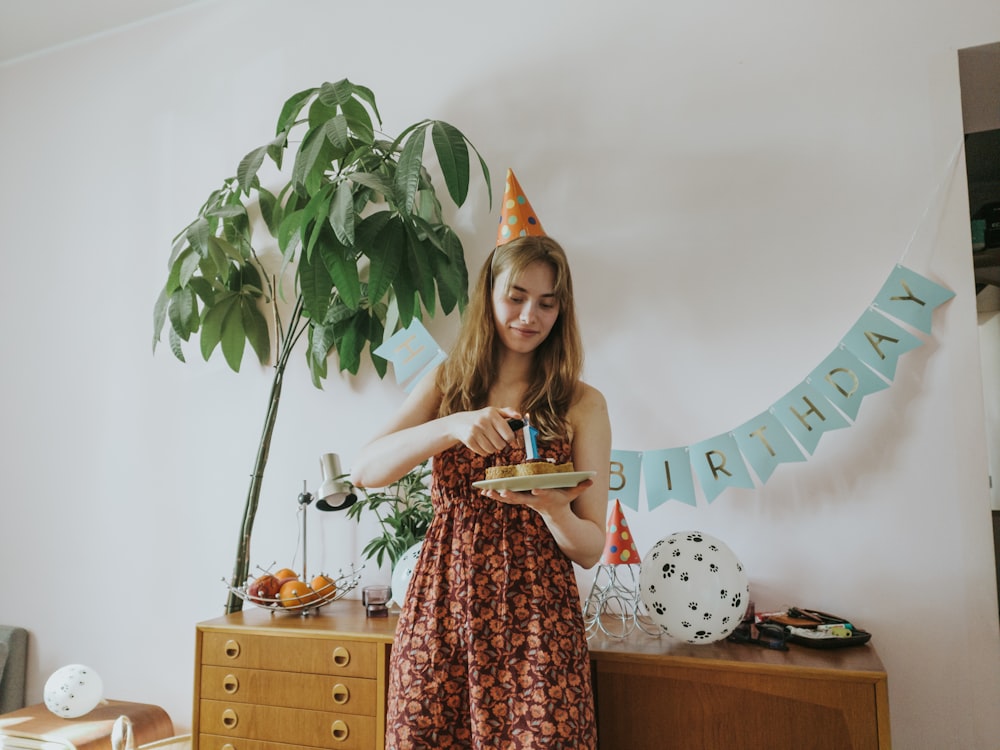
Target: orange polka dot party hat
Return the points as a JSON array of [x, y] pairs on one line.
[[619, 546], [517, 217]]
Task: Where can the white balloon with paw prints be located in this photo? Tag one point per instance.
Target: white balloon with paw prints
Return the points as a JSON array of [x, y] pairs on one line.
[[693, 587]]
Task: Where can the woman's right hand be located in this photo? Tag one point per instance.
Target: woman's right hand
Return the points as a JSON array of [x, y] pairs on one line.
[[483, 431]]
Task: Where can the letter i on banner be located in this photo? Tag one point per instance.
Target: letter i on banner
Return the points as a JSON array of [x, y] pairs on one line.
[[719, 464], [668, 476], [413, 352], [625, 473]]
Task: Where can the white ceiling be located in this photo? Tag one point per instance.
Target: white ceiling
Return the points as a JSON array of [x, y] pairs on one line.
[[28, 27]]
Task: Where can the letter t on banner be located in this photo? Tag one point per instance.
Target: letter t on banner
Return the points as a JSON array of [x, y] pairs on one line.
[[412, 351]]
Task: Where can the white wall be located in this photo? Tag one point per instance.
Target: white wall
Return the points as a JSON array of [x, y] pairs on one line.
[[735, 181]]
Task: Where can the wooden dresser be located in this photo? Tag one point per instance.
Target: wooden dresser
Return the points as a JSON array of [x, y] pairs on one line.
[[285, 682]]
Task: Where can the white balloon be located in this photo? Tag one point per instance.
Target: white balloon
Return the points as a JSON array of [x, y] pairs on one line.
[[693, 587], [73, 690], [403, 572]]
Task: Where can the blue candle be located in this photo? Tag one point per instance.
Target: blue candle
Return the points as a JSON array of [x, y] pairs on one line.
[[530, 446]]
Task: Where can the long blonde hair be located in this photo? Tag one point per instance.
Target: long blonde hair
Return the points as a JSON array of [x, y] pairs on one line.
[[467, 375]]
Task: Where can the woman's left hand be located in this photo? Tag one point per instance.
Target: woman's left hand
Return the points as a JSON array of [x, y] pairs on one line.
[[544, 501]]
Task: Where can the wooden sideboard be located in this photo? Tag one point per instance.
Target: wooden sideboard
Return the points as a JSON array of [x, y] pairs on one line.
[[275, 681]]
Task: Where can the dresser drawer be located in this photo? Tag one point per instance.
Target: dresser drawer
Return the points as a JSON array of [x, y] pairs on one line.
[[353, 695], [286, 726], [313, 655], [212, 742]]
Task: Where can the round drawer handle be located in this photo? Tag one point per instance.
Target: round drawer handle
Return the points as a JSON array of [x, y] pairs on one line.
[[228, 746], [341, 693], [230, 719], [341, 656], [339, 730], [232, 649], [230, 683]]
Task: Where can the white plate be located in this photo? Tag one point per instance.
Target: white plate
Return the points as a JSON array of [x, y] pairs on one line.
[[536, 481]]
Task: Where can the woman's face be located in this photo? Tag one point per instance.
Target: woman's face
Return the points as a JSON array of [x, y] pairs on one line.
[[525, 312]]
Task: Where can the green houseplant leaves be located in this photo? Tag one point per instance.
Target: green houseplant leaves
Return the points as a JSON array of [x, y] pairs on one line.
[[360, 240]]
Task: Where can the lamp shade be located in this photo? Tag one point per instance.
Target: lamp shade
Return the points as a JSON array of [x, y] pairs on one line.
[[334, 493]]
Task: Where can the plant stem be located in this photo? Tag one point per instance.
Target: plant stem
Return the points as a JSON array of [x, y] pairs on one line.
[[241, 567]]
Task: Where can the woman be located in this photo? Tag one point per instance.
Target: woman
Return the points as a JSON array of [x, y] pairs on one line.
[[490, 650]]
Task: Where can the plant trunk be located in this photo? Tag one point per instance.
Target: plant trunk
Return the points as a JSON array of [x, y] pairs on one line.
[[241, 568]]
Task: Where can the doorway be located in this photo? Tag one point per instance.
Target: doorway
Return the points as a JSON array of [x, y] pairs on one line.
[[979, 78]]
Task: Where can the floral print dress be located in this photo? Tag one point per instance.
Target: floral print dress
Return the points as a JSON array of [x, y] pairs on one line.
[[490, 649]]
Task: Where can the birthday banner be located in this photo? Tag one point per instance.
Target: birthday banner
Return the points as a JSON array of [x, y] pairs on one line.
[[862, 363]]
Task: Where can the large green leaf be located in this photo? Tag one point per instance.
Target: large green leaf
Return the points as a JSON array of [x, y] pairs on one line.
[[309, 155], [342, 213], [386, 252], [421, 268], [315, 285], [234, 338], [451, 272], [255, 326], [290, 110], [212, 321], [359, 121], [374, 181], [453, 157], [249, 165], [343, 270], [336, 94], [408, 169], [183, 311]]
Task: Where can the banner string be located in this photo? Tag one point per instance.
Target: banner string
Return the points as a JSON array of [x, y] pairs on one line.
[[943, 188]]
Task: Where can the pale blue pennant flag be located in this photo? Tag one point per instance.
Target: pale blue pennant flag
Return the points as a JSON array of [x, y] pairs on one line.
[[718, 464], [668, 476], [765, 443], [412, 351], [625, 473], [844, 380], [911, 298], [807, 415], [878, 342]]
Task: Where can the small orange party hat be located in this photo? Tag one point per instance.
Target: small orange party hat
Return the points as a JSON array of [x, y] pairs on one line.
[[619, 547], [517, 217]]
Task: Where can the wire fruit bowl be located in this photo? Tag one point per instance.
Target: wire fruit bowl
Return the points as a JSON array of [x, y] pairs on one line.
[[305, 603]]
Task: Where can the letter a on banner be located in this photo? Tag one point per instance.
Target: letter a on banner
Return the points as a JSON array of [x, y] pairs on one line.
[[718, 464], [878, 342], [909, 297], [413, 352], [625, 473], [668, 476]]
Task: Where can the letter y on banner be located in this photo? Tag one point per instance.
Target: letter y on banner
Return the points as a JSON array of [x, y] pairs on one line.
[[909, 297]]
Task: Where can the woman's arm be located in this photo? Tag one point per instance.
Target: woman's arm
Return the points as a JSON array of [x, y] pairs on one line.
[[577, 516], [417, 433]]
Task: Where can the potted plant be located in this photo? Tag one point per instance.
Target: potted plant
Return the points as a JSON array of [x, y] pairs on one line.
[[403, 510], [362, 250]]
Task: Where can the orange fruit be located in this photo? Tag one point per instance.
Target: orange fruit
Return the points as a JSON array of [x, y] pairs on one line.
[[285, 573], [295, 594], [324, 586]]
